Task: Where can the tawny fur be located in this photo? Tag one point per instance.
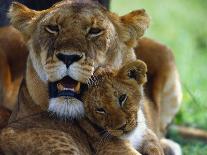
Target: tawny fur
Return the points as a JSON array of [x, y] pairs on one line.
[[113, 48]]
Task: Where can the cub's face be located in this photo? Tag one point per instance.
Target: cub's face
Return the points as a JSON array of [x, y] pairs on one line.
[[112, 102], [69, 40]]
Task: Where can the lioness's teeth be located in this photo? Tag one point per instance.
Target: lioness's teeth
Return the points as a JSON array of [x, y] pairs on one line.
[[77, 88], [71, 89], [60, 87], [66, 88]]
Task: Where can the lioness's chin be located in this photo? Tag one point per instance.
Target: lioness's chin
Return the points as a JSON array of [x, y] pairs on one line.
[[66, 107]]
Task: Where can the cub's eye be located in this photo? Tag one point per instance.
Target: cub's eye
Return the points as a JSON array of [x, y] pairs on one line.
[[100, 110], [94, 31], [122, 99], [53, 29]]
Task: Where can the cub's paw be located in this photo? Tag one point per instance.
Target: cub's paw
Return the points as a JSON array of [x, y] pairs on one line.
[[151, 144], [55, 70], [153, 150], [102, 70], [81, 70]]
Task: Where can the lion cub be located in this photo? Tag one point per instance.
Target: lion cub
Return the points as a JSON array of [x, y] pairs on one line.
[[116, 107]]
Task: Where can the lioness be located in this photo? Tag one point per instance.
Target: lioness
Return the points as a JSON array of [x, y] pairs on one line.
[[66, 43]]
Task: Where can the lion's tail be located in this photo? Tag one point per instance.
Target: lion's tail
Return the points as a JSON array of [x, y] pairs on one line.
[[190, 132]]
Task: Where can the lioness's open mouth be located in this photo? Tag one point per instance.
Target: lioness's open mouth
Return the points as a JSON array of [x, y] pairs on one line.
[[67, 87]]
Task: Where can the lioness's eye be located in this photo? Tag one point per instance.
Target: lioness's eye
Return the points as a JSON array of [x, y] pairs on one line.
[[54, 29], [100, 110], [122, 99], [94, 31]]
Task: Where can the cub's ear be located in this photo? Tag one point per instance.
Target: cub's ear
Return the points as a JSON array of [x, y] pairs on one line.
[[22, 18], [135, 70], [131, 26]]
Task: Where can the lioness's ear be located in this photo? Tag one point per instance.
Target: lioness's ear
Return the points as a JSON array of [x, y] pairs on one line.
[[22, 18], [132, 26], [135, 70]]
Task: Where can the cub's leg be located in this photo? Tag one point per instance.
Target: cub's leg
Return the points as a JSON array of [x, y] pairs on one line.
[[116, 147], [151, 144], [39, 141]]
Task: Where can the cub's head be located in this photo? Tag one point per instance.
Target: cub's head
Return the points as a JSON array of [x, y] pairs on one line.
[[112, 102], [69, 40]]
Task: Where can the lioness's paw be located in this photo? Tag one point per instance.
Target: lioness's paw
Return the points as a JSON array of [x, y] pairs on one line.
[[55, 70], [81, 70], [171, 147]]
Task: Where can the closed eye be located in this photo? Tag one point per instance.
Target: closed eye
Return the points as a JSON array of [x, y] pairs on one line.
[[100, 110], [95, 31], [53, 29], [122, 99]]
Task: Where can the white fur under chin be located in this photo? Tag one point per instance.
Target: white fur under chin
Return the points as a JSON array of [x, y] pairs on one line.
[[66, 108], [136, 136]]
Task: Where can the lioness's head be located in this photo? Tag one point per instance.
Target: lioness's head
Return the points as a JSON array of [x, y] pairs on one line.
[[69, 40], [113, 100]]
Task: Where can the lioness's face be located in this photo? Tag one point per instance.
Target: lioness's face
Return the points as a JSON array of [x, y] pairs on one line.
[[68, 41], [114, 100]]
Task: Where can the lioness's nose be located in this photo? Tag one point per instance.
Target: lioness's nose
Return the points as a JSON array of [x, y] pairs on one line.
[[68, 59]]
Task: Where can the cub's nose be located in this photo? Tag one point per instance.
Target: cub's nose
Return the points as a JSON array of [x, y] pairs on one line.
[[122, 126], [68, 59]]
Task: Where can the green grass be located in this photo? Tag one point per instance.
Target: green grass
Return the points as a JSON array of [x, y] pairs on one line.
[[182, 25]]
